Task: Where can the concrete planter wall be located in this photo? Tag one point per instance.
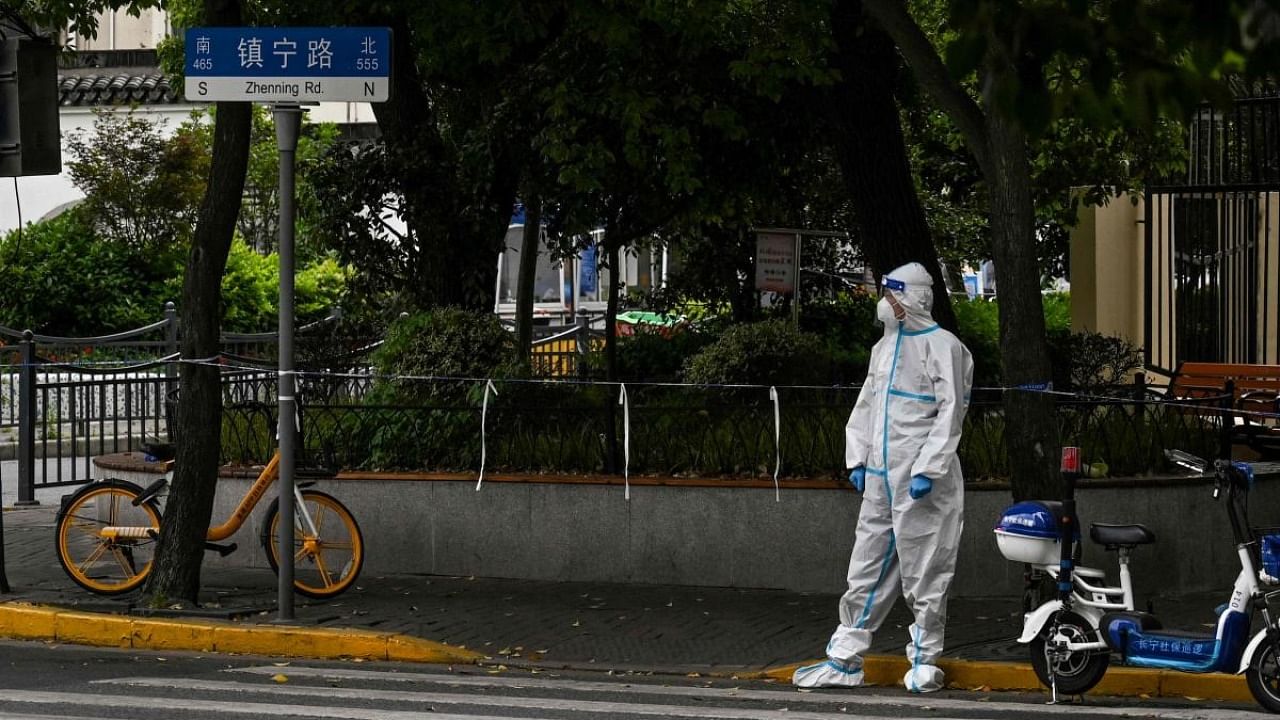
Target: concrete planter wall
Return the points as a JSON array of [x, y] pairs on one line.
[[731, 536]]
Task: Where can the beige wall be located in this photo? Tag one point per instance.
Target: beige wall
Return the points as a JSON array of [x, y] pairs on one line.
[[1107, 270], [1269, 282], [118, 30]]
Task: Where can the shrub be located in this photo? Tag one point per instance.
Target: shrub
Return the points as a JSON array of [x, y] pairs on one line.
[[435, 423], [978, 324], [1091, 363], [847, 326], [772, 352], [446, 342], [652, 355], [251, 289], [63, 279]]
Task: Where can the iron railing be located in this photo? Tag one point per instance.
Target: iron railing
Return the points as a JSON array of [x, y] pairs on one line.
[[675, 430], [1212, 249]]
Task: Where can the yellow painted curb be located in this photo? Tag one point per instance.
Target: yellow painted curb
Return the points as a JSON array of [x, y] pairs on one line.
[[82, 628], [30, 622], [27, 622], [414, 649], [974, 675]]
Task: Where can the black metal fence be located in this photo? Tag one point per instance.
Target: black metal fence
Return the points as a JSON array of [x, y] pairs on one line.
[[67, 413], [675, 430], [65, 400], [1212, 249]]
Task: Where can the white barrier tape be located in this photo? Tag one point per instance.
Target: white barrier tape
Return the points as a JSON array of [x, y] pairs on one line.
[[626, 442], [484, 414], [777, 443], [297, 415]]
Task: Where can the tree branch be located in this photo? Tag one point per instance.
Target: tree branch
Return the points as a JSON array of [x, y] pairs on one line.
[[932, 73]]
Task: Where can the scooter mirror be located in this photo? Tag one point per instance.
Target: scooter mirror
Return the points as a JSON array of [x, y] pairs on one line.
[[1191, 462]]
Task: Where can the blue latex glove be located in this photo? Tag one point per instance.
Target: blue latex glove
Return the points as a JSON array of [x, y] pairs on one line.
[[858, 476], [919, 487]]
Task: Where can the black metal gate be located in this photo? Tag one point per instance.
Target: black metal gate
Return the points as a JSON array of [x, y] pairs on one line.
[[1211, 244]]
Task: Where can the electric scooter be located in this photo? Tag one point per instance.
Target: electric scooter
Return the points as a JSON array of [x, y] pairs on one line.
[[1074, 636]]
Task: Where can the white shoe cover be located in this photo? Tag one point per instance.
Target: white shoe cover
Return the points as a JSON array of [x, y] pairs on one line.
[[924, 678], [831, 673]]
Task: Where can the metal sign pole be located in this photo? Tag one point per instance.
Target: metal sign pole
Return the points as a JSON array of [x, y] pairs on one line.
[[288, 120]]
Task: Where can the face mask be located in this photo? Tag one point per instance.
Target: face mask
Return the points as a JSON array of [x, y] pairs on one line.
[[884, 312]]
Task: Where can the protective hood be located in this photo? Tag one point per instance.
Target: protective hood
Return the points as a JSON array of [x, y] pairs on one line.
[[912, 286]]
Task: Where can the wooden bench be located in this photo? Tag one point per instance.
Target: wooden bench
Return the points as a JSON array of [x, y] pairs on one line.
[[1255, 388]]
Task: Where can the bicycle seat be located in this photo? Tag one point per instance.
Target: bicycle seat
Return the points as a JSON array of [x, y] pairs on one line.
[[1115, 536]]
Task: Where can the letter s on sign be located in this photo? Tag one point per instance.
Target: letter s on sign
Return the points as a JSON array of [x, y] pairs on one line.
[[204, 88]]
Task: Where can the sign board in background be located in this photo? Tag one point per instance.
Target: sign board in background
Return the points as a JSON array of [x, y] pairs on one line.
[[776, 263], [288, 65]]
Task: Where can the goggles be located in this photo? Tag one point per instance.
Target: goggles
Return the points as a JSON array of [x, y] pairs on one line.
[[888, 283]]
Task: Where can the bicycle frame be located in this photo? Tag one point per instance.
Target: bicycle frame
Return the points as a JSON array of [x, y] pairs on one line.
[[233, 524]]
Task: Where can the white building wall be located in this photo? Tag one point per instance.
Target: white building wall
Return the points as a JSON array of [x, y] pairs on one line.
[[39, 195]]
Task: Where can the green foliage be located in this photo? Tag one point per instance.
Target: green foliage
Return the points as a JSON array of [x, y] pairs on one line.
[[653, 356], [847, 326], [1092, 364], [447, 342], [978, 324], [63, 279], [1057, 311], [434, 423], [142, 189], [770, 352], [251, 289]]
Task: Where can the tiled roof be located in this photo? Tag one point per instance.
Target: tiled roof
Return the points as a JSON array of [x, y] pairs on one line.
[[117, 89]]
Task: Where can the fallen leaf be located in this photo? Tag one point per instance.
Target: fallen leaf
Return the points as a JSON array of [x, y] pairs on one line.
[[281, 664], [280, 678], [694, 674]]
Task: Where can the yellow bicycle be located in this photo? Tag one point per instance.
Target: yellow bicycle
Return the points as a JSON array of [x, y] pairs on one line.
[[106, 535]]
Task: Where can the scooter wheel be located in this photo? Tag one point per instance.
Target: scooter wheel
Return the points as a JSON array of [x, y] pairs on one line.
[[1263, 677], [1076, 672]]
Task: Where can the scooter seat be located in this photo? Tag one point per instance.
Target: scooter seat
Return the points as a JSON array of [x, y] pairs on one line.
[[1114, 536]]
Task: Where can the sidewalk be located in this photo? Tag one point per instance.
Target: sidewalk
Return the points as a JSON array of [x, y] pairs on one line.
[[581, 625]]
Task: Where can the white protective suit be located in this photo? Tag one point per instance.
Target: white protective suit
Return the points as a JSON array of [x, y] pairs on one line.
[[906, 424]]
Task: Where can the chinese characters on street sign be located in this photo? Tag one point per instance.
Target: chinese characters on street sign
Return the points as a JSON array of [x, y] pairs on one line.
[[275, 65], [776, 263]]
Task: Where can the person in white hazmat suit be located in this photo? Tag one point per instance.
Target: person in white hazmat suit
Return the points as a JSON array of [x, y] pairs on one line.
[[901, 443]]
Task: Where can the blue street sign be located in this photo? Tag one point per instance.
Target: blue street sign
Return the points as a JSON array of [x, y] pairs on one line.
[[295, 64]]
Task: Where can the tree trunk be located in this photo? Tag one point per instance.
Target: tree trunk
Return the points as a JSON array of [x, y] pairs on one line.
[[1000, 149], [1031, 436], [529, 248], [873, 153], [198, 416], [611, 342]]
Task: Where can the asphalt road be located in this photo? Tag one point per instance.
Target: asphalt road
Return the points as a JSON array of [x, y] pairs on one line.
[[49, 682]]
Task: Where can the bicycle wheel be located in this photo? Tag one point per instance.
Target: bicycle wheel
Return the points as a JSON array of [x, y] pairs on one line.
[[112, 562], [326, 563]]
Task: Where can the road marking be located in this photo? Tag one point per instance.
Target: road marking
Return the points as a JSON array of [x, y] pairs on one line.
[[97, 700], [594, 706], [13, 716], [823, 697]]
